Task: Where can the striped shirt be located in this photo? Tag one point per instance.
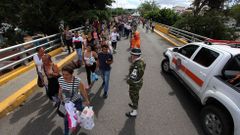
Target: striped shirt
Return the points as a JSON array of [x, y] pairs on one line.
[[70, 90]]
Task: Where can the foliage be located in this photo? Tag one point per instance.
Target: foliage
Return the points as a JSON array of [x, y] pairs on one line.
[[210, 25], [235, 13], [211, 4], [147, 6], [119, 11], [165, 16]]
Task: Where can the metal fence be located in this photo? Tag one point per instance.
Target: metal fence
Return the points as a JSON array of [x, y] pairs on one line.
[[26, 51], [188, 36]]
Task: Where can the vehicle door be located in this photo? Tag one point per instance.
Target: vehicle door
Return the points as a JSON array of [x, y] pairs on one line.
[[198, 70], [181, 58]]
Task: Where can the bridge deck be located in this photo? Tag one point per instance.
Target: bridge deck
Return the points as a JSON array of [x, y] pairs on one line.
[[164, 107]]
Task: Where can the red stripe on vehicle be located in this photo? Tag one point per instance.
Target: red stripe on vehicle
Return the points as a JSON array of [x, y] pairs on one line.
[[189, 73]]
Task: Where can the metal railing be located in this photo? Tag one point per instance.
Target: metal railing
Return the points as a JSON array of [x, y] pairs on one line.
[[188, 36], [25, 53]]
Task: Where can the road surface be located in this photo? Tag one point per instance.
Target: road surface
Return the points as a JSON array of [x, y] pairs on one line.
[[165, 106]]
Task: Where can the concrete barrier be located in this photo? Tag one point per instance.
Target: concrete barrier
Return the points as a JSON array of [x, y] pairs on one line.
[[165, 30], [11, 75], [21, 95], [166, 38], [162, 29]]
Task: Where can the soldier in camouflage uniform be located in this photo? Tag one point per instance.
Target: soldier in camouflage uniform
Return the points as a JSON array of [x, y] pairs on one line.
[[135, 80]]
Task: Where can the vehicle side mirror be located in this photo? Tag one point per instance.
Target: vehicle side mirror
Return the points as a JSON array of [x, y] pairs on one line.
[[175, 49]]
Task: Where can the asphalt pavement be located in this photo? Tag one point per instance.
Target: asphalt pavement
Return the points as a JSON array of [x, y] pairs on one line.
[[165, 106]]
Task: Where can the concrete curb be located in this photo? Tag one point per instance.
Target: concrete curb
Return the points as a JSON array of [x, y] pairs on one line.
[[180, 40], [166, 38], [21, 95], [9, 76]]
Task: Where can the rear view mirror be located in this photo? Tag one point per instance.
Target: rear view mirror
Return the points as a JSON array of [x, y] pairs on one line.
[[175, 49]]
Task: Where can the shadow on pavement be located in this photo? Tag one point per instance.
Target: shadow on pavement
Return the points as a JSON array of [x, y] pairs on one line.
[[129, 127], [57, 131], [29, 107], [97, 101], [42, 122], [191, 106]]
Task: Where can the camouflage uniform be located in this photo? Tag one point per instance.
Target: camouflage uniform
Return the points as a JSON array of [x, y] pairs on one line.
[[135, 80]]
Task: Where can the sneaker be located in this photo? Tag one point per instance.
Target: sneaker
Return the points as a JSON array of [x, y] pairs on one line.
[[132, 113]]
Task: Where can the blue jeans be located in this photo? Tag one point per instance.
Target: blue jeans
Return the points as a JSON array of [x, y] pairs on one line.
[[105, 77], [78, 105], [79, 53]]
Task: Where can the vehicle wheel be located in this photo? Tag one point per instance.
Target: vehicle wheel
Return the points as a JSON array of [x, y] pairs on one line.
[[165, 66], [216, 121]]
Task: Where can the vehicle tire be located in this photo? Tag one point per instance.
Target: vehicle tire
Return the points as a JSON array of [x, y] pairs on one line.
[[165, 66], [216, 121]]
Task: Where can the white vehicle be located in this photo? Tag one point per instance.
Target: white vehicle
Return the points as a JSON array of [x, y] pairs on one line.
[[207, 71]]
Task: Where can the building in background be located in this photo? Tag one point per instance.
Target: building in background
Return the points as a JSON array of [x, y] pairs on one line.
[[179, 9]]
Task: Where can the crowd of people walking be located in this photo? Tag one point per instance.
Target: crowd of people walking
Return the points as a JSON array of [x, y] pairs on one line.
[[95, 48]]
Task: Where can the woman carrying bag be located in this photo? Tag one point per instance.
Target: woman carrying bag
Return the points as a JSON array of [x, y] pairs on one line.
[[71, 91], [52, 74]]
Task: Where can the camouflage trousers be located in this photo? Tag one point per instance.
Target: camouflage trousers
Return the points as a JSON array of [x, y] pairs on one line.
[[134, 93]]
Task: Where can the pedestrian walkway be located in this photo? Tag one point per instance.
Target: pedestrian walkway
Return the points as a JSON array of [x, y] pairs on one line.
[[162, 109]]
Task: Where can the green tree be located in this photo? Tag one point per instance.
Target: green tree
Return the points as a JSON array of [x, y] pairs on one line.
[[212, 4], [235, 13], [209, 25], [147, 7], [45, 15], [165, 16], [118, 11]]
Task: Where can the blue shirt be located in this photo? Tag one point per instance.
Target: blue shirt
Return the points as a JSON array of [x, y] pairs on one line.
[[102, 57]]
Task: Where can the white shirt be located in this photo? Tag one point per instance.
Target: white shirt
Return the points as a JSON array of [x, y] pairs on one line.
[[114, 36], [77, 39], [38, 62], [128, 27]]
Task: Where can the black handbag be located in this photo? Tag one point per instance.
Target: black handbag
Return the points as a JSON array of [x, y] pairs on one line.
[[40, 81]]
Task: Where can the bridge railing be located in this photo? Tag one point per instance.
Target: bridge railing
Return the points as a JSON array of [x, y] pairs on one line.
[[27, 50], [188, 36]]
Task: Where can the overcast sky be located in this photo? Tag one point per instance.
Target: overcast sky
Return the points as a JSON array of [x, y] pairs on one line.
[[161, 3]]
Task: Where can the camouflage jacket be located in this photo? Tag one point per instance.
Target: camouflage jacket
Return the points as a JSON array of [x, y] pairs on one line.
[[136, 72]]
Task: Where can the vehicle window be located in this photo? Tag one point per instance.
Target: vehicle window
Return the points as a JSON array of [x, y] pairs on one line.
[[232, 68], [206, 57], [188, 50], [234, 64]]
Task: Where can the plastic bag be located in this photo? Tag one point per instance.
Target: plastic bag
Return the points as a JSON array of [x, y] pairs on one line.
[[86, 118], [94, 77]]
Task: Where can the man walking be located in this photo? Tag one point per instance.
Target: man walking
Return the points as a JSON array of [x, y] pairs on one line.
[[135, 80], [105, 60]]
